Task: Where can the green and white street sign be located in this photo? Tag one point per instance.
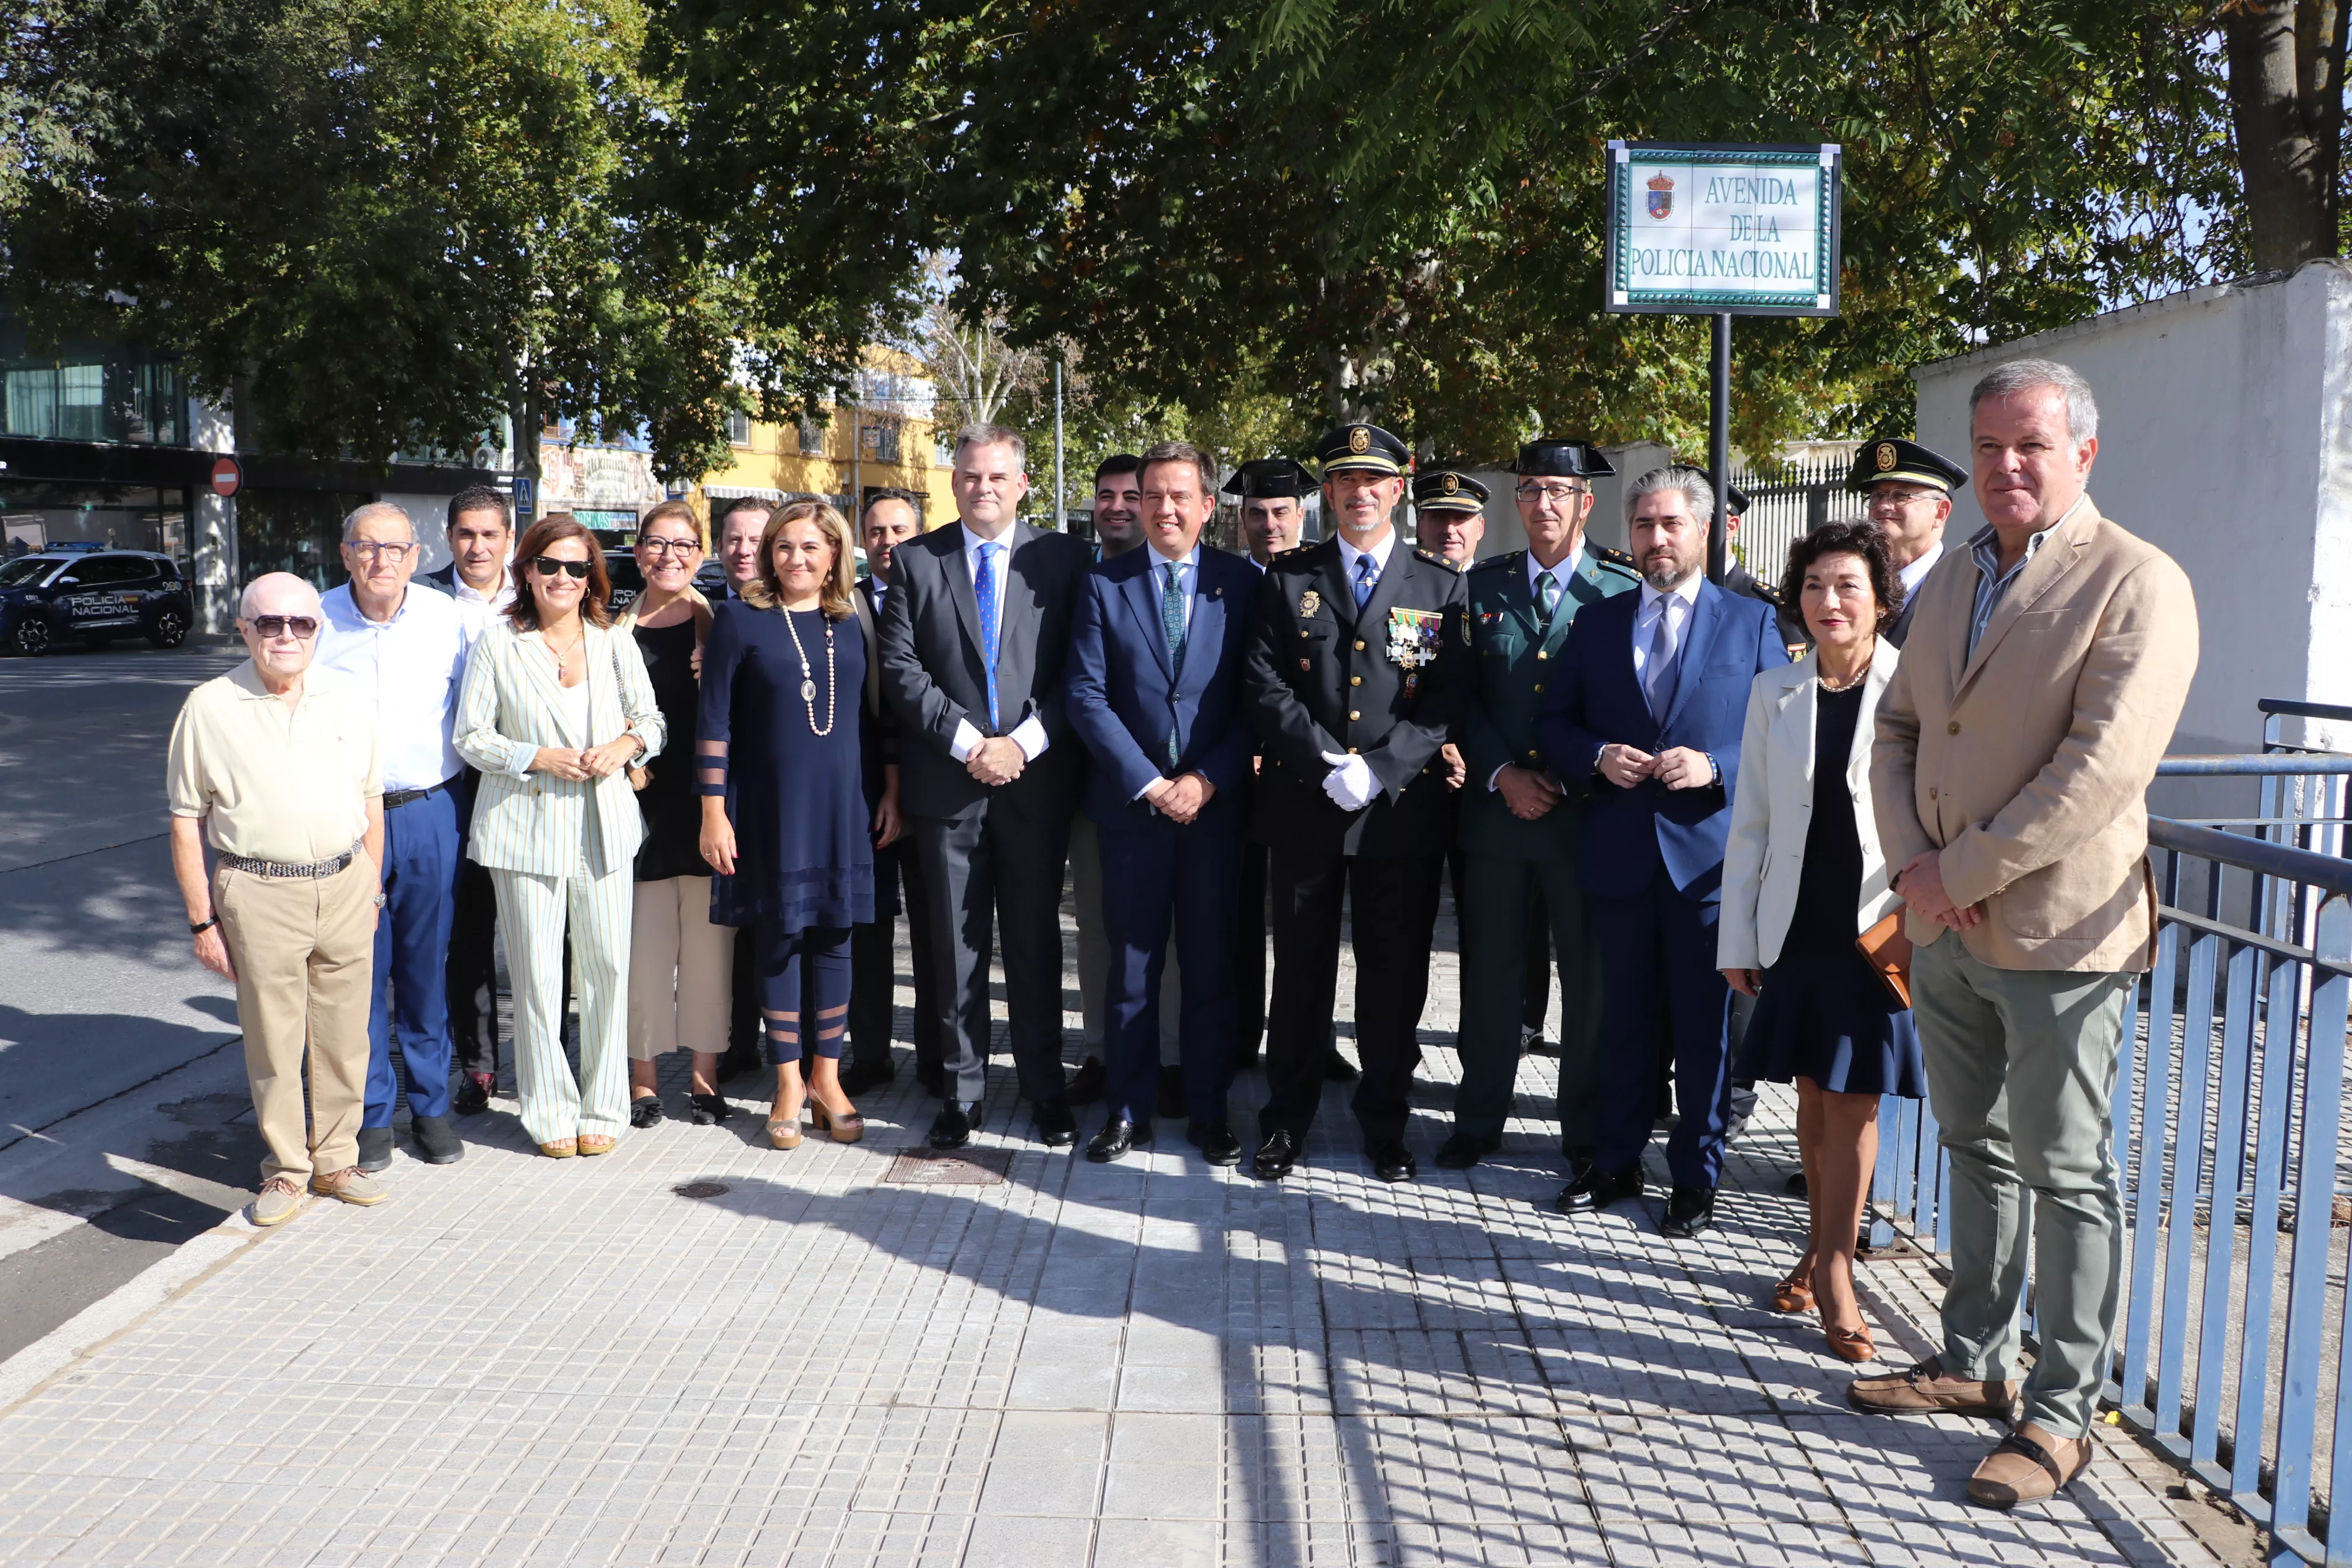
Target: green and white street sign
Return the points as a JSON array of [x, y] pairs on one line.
[[1713, 230]]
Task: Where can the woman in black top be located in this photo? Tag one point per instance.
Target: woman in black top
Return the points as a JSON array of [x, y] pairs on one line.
[[1802, 877], [681, 966]]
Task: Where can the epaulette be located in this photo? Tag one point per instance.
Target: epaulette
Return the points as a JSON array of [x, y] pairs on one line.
[[1508, 558], [1436, 560], [1615, 558], [1299, 550]]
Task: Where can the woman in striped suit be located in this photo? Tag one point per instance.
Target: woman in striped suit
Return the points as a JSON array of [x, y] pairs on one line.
[[556, 824]]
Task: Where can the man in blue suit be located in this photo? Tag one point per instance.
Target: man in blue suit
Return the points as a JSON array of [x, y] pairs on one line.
[[1647, 711], [1158, 648]]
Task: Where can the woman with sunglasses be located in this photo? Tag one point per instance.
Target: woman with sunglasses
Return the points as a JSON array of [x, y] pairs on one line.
[[785, 736], [557, 707]]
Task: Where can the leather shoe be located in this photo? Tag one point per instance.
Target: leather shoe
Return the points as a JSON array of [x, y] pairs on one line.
[[1391, 1160], [1595, 1190], [932, 1078], [1086, 1083], [1690, 1211], [1337, 1069], [952, 1128], [1465, 1149], [864, 1077], [1171, 1092], [473, 1095], [376, 1149], [1056, 1127], [1275, 1157], [436, 1143], [2029, 1464], [1216, 1142], [1119, 1135]]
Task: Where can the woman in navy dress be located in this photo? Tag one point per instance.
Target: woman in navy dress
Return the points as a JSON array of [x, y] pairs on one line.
[[1802, 877], [782, 737]]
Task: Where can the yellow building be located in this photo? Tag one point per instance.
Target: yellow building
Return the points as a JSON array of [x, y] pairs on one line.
[[887, 436]]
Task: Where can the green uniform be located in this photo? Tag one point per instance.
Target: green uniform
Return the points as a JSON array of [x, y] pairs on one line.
[[1509, 859]]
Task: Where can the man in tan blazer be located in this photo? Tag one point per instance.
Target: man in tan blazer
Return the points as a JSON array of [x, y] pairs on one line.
[[2046, 667]]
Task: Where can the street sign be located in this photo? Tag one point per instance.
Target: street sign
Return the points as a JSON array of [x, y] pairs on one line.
[[1743, 230], [226, 477], [526, 500]]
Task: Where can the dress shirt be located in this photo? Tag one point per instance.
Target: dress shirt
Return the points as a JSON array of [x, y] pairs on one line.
[[1679, 602], [1992, 580], [1568, 566], [1188, 577], [1029, 734], [1917, 572], [270, 782], [410, 666], [1379, 553], [480, 609]]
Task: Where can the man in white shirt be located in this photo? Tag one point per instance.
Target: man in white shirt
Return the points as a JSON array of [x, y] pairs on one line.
[[1909, 488], [403, 645]]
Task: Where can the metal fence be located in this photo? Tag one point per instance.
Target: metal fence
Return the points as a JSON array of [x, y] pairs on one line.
[[1786, 505]]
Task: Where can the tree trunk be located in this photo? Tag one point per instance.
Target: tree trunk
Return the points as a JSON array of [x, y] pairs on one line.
[[2286, 65]]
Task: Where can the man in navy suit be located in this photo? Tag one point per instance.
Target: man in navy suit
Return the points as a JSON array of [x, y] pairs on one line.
[[1158, 649], [1646, 713]]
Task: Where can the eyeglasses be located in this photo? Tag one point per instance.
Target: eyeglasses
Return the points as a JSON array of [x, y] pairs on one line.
[[1558, 495], [1889, 497], [395, 553], [549, 566], [669, 546], [302, 627]]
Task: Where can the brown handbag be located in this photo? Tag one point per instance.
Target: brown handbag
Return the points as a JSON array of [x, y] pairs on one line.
[[1888, 952]]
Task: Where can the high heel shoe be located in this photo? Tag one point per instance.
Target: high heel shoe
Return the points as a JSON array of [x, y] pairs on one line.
[[560, 1148], [847, 1127], [596, 1143], [1851, 1344], [784, 1132], [1793, 1295]]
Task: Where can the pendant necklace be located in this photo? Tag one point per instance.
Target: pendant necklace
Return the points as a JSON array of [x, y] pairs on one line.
[[808, 680]]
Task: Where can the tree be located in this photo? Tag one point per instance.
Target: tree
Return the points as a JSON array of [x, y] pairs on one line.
[[2286, 104], [976, 371]]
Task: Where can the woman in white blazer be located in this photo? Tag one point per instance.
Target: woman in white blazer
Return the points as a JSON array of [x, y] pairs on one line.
[[556, 708], [1802, 877]]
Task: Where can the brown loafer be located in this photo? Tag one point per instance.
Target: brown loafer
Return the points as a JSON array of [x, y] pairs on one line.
[[1924, 1390], [1793, 1295], [2028, 1466]]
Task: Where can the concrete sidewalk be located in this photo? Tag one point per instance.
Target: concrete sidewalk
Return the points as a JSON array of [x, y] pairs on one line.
[[699, 1350]]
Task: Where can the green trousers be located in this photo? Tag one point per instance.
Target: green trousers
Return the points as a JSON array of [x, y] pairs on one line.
[[2020, 1075], [1494, 973]]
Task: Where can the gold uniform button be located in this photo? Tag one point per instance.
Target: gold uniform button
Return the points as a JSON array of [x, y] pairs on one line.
[[1360, 645], [1542, 654], [1535, 753], [1538, 688], [1355, 680], [1351, 751], [1953, 728], [1304, 633], [1931, 792], [1353, 714]]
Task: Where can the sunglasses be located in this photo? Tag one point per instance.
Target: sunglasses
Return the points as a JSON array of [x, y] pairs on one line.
[[549, 566], [302, 627]]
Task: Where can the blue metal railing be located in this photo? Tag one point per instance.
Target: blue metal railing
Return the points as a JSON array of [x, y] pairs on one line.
[[2229, 1114]]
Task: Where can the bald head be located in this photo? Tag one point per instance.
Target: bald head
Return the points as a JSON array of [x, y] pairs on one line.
[[278, 594]]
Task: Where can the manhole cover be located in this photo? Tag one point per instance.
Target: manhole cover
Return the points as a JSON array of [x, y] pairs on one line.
[[957, 1168], [699, 1189]]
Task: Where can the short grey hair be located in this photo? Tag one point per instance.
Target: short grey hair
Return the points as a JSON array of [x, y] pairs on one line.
[[1690, 481], [375, 511], [2026, 374], [992, 435]]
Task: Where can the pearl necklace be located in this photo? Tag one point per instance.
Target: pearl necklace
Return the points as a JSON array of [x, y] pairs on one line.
[[808, 676]]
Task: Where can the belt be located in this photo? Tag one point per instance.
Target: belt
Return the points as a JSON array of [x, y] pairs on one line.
[[395, 798], [281, 870]]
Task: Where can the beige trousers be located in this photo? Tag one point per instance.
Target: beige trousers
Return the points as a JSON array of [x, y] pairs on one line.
[[681, 971], [305, 954]]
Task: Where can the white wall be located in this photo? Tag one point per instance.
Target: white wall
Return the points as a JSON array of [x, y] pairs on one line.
[[2225, 438]]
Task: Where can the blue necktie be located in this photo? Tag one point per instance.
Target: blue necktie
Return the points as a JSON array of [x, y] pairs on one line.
[[983, 585], [1364, 580], [1172, 626], [1664, 654]]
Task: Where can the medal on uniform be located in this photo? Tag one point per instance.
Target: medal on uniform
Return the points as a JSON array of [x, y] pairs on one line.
[[1309, 601], [1414, 637]]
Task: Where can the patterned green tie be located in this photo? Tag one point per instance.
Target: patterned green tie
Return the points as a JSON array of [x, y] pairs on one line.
[[1171, 625], [1547, 597]]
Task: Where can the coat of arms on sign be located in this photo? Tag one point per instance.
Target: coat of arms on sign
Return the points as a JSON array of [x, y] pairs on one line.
[[1662, 195]]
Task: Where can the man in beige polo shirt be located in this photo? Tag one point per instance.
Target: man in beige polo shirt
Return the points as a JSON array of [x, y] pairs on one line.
[[276, 763]]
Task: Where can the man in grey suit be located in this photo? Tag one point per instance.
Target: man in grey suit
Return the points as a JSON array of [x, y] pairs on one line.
[[974, 633]]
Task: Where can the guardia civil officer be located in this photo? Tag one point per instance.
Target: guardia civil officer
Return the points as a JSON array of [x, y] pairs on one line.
[[1519, 820], [1910, 489], [1357, 672]]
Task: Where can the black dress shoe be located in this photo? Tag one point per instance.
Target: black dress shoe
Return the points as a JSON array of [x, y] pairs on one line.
[[1465, 1149], [1056, 1127], [436, 1142], [1171, 1092], [952, 1128], [1595, 1190], [645, 1111], [933, 1079], [1275, 1157], [1690, 1211], [1086, 1083], [1796, 1186], [1216, 1142], [710, 1110], [1117, 1136], [1391, 1160], [1338, 1069], [376, 1148], [864, 1077], [473, 1095]]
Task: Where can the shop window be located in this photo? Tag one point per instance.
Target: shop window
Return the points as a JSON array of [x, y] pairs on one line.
[[299, 531], [88, 391]]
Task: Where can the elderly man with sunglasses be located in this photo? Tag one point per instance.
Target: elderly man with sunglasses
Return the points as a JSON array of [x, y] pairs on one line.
[[276, 764], [403, 645]]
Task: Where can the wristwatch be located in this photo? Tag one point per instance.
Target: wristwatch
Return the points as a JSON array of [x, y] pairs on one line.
[[199, 930], [379, 898]]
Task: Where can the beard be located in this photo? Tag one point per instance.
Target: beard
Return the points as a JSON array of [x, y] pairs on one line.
[[1668, 575]]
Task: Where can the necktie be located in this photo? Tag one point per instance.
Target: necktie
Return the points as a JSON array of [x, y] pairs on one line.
[[1547, 597], [1172, 626], [1663, 651], [983, 585], [1365, 577]]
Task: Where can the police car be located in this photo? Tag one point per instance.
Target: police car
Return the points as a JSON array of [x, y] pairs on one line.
[[92, 597]]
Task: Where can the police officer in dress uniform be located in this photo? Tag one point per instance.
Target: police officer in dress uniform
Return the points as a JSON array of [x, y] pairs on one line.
[[1519, 823], [1909, 495], [1358, 674]]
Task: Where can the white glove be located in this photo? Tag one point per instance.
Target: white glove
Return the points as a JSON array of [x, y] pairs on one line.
[[1349, 783]]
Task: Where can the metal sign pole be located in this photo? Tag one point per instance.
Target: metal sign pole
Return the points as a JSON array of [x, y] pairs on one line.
[[1718, 447], [1061, 522]]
